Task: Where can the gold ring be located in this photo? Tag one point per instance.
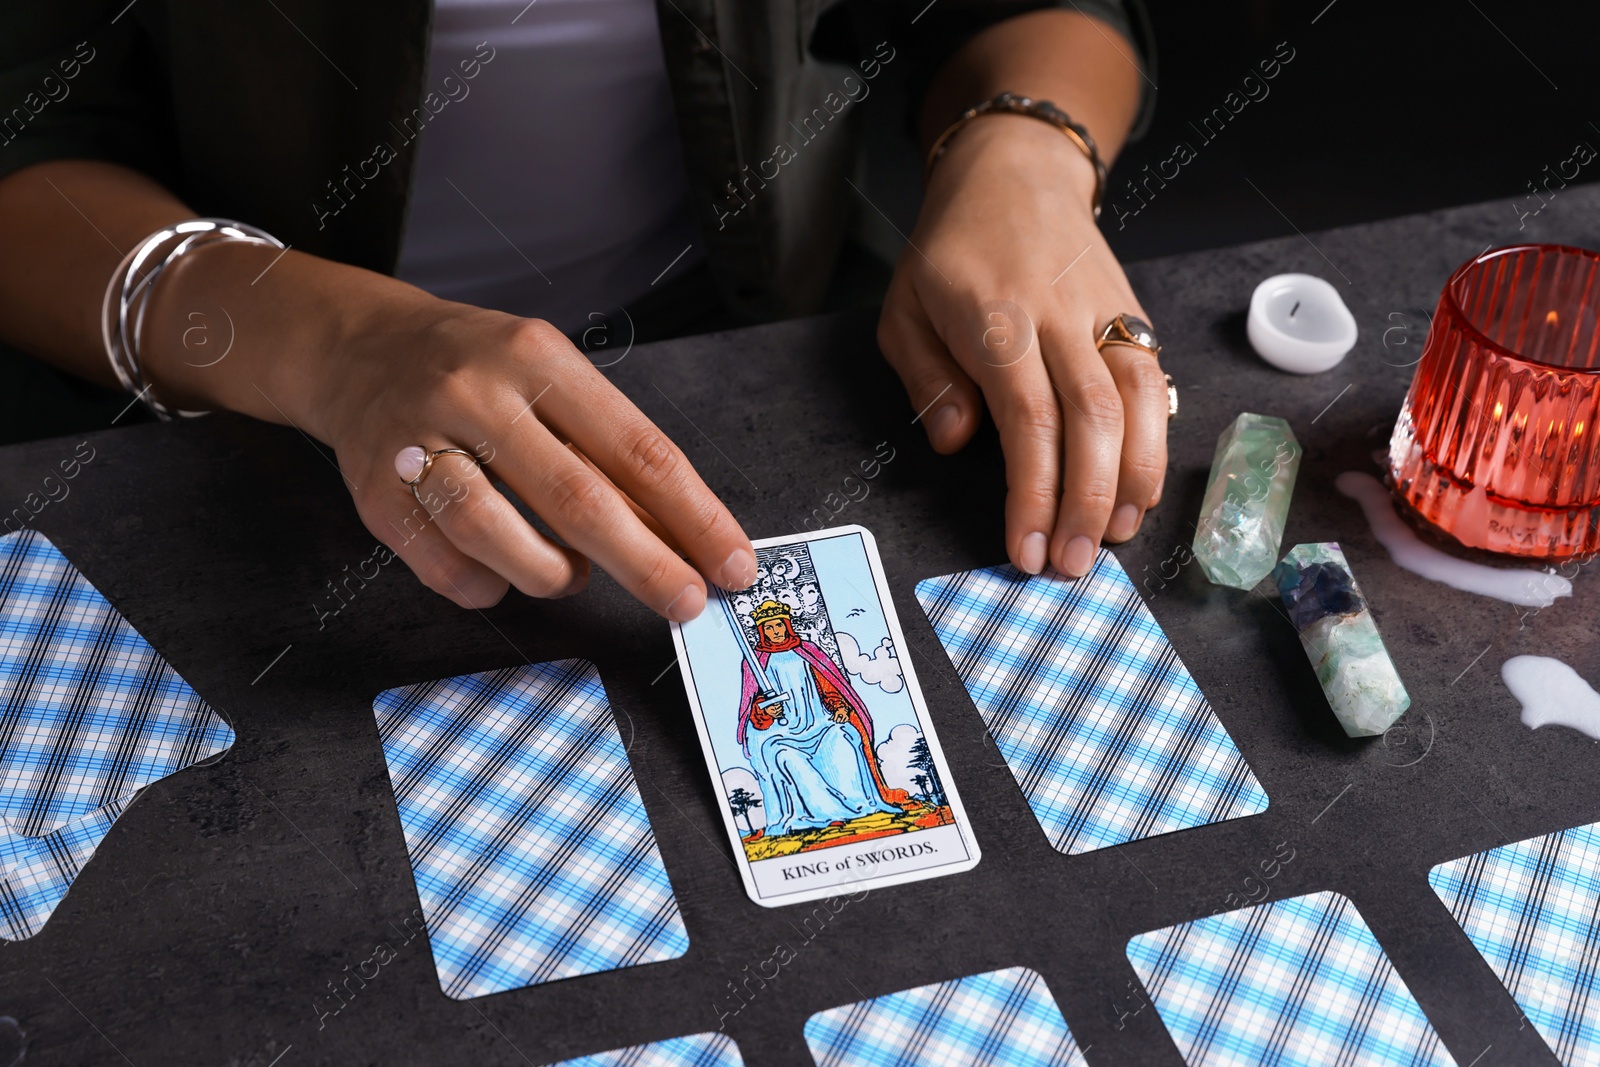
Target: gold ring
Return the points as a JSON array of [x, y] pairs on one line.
[[427, 465], [1129, 330]]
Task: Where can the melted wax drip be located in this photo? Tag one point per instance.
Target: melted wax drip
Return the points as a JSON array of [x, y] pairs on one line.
[[1552, 694], [1528, 588]]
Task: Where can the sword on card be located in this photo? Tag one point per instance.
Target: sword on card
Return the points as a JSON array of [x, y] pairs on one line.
[[769, 693]]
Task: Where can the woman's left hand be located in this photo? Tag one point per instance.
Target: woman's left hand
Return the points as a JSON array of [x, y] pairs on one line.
[[998, 299]]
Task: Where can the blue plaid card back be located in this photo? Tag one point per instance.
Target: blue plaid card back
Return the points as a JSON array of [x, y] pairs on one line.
[[1299, 982], [1101, 724], [534, 859], [1532, 910], [1001, 1018], [696, 1050], [89, 715], [36, 872]]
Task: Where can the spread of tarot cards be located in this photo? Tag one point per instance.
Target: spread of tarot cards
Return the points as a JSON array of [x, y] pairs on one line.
[[815, 730]]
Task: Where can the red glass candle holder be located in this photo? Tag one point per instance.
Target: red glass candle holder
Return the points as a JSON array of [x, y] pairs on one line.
[[1496, 443]]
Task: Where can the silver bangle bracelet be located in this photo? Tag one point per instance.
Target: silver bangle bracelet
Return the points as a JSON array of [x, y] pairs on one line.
[[128, 294]]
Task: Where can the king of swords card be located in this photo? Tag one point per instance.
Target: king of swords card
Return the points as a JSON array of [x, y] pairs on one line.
[[815, 730]]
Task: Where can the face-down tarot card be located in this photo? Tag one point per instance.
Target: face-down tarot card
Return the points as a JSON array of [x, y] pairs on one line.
[[815, 730]]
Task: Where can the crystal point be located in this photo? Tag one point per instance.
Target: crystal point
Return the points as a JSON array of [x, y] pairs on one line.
[[1247, 500], [1339, 635]]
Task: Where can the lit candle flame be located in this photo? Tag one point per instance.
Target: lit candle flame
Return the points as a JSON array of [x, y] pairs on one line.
[[1499, 409], [1552, 318]]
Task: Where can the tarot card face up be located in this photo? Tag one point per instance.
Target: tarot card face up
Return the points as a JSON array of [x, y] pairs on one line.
[[815, 730]]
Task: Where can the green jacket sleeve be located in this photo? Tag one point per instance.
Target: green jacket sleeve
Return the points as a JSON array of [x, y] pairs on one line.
[[930, 33]]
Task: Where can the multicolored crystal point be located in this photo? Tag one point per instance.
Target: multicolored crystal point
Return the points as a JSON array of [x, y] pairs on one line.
[[1247, 500], [1340, 637]]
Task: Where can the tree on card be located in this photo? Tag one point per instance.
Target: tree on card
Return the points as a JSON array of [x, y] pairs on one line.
[[922, 760], [740, 801]]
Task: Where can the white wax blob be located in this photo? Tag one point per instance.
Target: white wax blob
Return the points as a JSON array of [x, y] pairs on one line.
[[1552, 694], [1298, 323], [1527, 588]]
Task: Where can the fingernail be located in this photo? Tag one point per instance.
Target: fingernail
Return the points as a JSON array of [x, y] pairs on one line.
[[1077, 556], [687, 604], [579, 583], [408, 462], [483, 590], [1124, 521], [1033, 549], [942, 424], [738, 570]]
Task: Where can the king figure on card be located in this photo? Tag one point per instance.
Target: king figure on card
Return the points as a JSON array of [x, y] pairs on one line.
[[808, 736], [816, 736]]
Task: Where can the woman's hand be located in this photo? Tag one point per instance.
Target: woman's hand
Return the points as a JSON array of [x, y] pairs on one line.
[[998, 298], [516, 393], [373, 366]]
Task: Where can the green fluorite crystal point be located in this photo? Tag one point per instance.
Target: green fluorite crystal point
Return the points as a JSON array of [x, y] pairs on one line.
[[1247, 500], [1339, 635]]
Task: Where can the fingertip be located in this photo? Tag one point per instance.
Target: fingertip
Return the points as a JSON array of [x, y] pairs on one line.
[[946, 428], [480, 589], [1124, 523], [579, 582], [1031, 553], [687, 605], [738, 571], [1075, 556]]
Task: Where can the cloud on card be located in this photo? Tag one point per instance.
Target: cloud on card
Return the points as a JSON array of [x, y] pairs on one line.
[[881, 668], [894, 757]]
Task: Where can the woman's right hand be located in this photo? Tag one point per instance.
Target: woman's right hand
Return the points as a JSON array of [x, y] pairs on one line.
[[518, 395], [372, 366]]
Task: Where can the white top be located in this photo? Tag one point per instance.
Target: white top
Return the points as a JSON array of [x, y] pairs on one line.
[[549, 178]]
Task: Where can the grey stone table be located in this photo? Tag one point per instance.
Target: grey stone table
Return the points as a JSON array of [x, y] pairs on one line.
[[229, 896]]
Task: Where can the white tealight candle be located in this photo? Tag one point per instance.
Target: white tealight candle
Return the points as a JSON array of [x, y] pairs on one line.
[[1298, 323]]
